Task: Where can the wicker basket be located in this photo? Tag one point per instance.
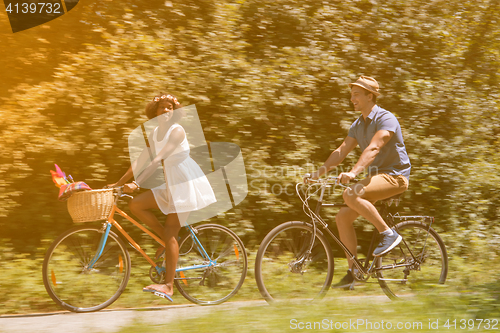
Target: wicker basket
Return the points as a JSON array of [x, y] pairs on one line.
[[87, 206]]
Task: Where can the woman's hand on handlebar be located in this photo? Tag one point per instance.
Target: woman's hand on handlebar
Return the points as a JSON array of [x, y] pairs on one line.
[[130, 188]]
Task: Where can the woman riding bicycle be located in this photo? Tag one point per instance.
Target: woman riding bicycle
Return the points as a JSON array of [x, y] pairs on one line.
[[186, 187]]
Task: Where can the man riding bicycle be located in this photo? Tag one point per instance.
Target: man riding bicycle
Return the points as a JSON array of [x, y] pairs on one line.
[[378, 133]]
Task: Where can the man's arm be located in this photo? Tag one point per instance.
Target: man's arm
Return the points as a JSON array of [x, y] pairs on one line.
[[379, 140], [336, 157]]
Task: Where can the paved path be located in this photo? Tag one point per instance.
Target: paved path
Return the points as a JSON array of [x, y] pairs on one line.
[[107, 321]]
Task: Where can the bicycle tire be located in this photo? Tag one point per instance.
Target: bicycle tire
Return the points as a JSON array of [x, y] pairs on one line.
[[279, 274], [68, 281], [430, 251], [215, 284]]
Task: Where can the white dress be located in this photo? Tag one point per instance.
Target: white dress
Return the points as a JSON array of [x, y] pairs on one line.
[[188, 187]]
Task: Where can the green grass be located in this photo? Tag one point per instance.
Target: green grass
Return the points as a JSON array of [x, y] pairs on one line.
[[470, 296], [356, 314], [22, 290]]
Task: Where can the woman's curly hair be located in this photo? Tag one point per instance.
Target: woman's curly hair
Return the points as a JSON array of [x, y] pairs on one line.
[[152, 106]]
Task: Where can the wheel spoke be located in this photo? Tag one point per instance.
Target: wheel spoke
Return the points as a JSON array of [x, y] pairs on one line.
[[78, 289], [220, 282], [421, 269], [229, 249], [283, 269]]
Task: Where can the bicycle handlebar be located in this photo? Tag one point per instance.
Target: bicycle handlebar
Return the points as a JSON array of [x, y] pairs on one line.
[[119, 191], [325, 181]]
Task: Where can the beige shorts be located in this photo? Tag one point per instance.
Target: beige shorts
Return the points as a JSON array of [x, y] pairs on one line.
[[381, 186]]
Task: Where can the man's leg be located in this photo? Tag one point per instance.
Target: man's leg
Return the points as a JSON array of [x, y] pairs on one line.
[[354, 200], [345, 224], [360, 196]]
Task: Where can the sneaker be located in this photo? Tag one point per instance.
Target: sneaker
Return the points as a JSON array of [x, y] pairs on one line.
[[346, 283], [387, 243]]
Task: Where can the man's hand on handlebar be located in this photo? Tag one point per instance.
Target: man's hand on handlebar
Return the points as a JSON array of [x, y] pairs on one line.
[[308, 178], [345, 177]]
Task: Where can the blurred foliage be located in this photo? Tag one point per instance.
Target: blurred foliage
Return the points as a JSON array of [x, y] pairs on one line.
[[270, 76]]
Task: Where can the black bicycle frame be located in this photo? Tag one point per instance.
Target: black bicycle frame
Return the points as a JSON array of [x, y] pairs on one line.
[[363, 268]]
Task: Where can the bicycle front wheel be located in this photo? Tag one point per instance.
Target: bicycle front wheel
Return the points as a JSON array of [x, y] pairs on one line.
[[418, 266], [286, 270], [72, 284], [199, 281]]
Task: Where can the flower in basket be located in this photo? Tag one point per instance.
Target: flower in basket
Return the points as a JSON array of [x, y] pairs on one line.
[[59, 177], [66, 188]]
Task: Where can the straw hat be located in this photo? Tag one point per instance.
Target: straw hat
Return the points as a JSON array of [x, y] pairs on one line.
[[367, 83]]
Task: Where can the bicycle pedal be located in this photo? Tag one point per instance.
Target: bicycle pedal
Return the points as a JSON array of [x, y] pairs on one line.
[[162, 295]]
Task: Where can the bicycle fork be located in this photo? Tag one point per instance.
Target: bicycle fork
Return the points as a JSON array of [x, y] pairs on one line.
[[102, 244]]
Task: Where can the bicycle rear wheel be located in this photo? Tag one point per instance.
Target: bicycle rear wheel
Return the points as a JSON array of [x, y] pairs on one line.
[[69, 281], [421, 272], [214, 284], [285, 271]]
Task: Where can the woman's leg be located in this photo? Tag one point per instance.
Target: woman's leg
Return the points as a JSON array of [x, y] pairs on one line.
[[169, 235], [140, 206]]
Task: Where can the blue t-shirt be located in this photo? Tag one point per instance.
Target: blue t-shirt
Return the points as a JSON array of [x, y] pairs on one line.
[[392, 158]]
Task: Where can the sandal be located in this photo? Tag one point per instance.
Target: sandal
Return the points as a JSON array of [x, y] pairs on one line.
[[158, 293]]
